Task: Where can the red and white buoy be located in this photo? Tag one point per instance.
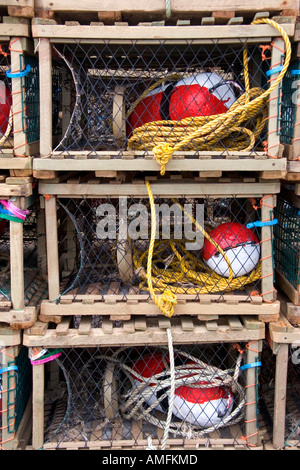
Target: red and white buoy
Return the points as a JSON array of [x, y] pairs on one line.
[[204, 94], [5, 106], [240, 245], [200, 403]]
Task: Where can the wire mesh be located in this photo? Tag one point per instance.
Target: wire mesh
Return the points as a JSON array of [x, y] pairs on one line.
[[113, 92], [289, 100], [104, 246], [267, 393], [121, 396], [286, 241]]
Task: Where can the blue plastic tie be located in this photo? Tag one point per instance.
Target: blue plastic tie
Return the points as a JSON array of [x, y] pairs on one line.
[[7, 369], [20, 74], [295, 72], [274, 70], [251, 365], [259, 223]]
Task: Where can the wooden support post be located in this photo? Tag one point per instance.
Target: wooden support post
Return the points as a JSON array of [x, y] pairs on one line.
[[45, 72], [38, 392], [280, 396], [251, 395], [267, 281], [52, 247], [20, 139], [273, 110], [16, 262]]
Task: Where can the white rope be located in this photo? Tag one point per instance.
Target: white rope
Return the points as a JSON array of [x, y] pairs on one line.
[[172, 389]]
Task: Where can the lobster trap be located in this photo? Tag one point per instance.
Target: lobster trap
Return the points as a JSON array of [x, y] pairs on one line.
[[21, 254], [280, 383], [19, 92], [194, 248], [162, 387], [163, 98], [289, 128], [286, 244], [15, 389]]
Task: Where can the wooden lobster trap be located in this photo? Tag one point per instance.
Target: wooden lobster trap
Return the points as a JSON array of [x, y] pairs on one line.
[[280, 382], [19, 82], [20, 283], [164, 98], [120, 250], [91, 397], [15, 390]]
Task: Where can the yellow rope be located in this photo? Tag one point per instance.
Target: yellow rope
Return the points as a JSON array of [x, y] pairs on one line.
[[179, 277], [221, 131]]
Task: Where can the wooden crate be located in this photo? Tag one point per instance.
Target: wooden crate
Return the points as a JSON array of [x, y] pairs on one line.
[[88, 44], [21, 284], [157, 10], [84, 336], [101, 286], [15, 381], [284, 341], [19, 78]]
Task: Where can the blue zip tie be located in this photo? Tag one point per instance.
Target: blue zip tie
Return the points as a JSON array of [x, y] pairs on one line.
[[295, 72], [20, 74], [251, 365], [274, 70], [259, 223], [7, 369]]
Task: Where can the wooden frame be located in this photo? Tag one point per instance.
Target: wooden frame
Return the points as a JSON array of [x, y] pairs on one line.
[[14, 311], [265, 306], [186, 331], [282, 335], [18, 158], [210, 163], [182, 9]]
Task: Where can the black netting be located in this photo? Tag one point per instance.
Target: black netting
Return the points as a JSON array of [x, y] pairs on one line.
[[104, 244], [121, 396], [112, 90]]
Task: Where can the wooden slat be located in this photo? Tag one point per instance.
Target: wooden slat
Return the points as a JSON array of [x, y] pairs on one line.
[[236, 33]]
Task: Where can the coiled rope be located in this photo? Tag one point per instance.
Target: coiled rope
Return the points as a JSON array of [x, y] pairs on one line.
[[228, 130], [185, 274]]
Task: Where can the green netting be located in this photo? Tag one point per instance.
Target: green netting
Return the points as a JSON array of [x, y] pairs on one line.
[[286, 241], [288, 102], [30, 98], [24, 384]]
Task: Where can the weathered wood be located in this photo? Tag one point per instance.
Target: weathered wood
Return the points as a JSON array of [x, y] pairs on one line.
[[230, 33], [107, 164], [267, 311]]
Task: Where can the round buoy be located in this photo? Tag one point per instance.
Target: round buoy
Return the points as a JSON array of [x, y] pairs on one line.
[[204, 94], [240, 245], [198, 403], [5, 105]]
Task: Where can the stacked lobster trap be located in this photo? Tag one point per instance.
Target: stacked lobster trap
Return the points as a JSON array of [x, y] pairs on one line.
[[21, 253], [280, 382], [155, 271], [158, 389], [19, 83], [149, 98]]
